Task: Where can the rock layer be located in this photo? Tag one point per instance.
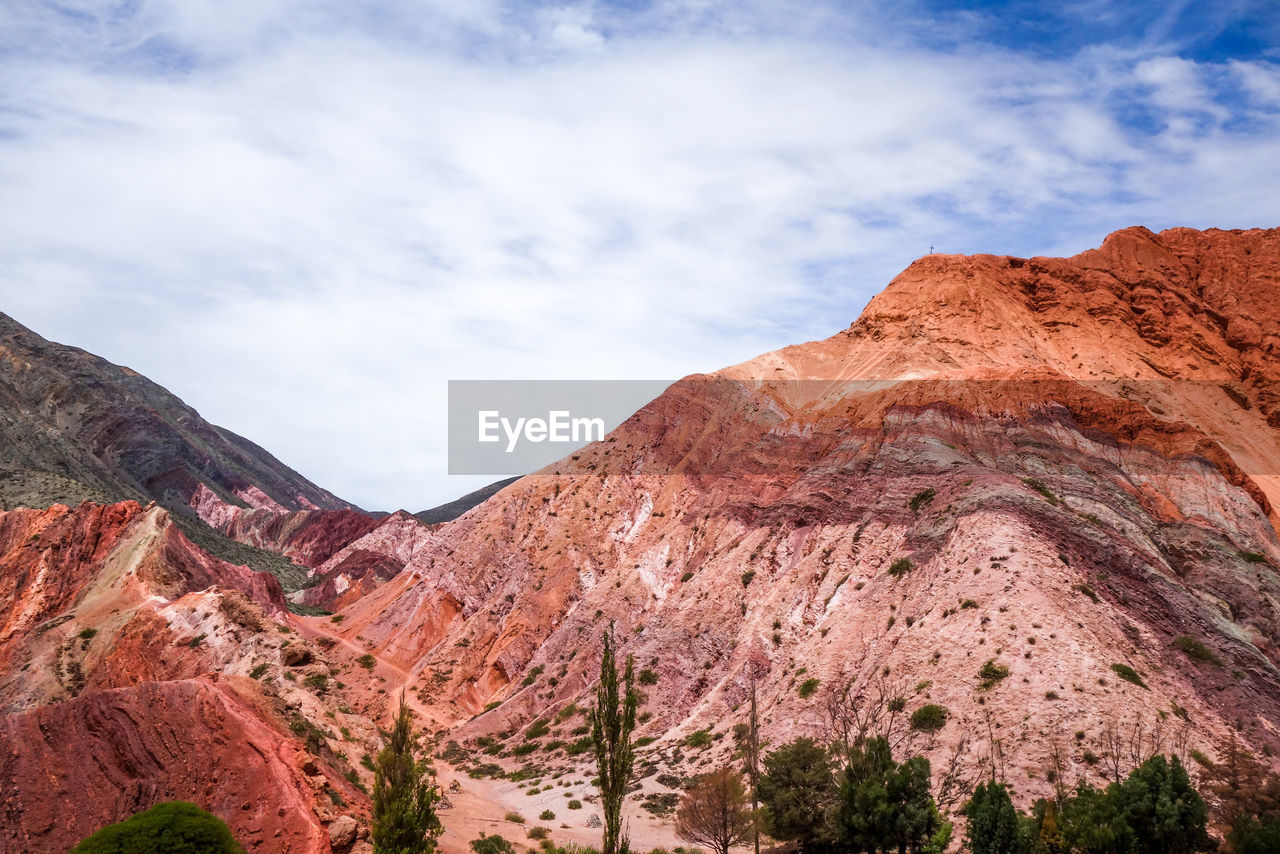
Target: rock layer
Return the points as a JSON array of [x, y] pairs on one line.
[[1058, 465]]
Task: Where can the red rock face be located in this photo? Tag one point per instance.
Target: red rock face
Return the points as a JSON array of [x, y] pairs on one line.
[[68, 769], [348, 552], [1090, 446], [125, 662]]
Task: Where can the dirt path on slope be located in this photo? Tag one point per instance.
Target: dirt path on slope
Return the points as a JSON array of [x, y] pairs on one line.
[[482, 805]]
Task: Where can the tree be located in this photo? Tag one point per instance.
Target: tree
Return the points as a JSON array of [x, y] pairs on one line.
[[1091, 823], [404, 815], [796, 790], [176, 827], [1166, 813], [1251, 836], [1048, 840], [884, 804], [612, 721], [747, 738], [713, 812], [1155, 810], [993, 821]]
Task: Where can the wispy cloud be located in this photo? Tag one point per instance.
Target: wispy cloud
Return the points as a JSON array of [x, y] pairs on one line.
[[304, 218]]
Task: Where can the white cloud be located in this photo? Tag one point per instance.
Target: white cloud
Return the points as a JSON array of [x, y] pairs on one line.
[[310, 229]]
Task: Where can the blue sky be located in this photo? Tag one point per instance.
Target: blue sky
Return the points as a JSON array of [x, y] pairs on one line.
[[305, 217]]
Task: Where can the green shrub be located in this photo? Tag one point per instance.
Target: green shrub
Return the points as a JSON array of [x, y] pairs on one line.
[[367, 661], [256, 672], [489, 707], [1197, 650], [647, 677], [539, 833], [514, 816], [537, 729], [700, 738], [807, 687], [87, 633], [1045, 492], [1128, 674], [317, 682], [1088, 591], [921, 499], [1252, 557], [574, 804], [747, 576], [645, 741], [546, 815], [929, 718], [197, 640], [493, 844], [686, 577], [901, 567], [991, 673], [176, 827]]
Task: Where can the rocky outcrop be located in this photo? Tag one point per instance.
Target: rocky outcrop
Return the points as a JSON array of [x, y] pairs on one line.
[[67, 770]]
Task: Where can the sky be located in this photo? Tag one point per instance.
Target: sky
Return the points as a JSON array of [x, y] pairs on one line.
[[305, 218]]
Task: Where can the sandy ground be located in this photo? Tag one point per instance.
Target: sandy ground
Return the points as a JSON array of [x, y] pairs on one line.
[[482, 805]]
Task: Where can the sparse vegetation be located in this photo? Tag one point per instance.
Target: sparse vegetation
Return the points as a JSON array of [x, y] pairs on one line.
[[901, 567], [1088, 591], [490, 844], [921, 499], [1128, 674], [1045, 492], [367, 661], [808, 687], [699, 739], [929, 718], [1197, 650], [991, 674]]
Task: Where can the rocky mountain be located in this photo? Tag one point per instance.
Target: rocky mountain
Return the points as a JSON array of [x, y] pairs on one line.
[[135, 668], [453, 509], [1038, 493], [74, 426], [1037, 496]]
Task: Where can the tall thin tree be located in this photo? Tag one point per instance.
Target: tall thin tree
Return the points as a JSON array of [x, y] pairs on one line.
[[612, 721], [751, 755], [404, 800]]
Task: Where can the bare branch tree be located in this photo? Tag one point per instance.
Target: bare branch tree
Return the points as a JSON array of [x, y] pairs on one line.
[[713, 812]]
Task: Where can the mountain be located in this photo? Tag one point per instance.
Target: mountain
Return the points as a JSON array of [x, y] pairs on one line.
[[1037, 492], [135, 668], [453, 509], [75, 427], [1036, 495]]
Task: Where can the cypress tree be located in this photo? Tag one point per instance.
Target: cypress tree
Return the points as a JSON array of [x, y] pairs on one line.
[[612, 721], [993, 821]]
